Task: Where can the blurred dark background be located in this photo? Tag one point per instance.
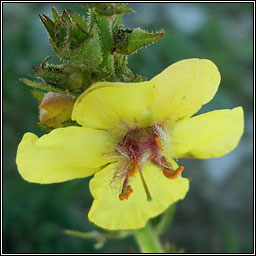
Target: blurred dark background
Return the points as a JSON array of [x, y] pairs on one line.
[[217, 214]]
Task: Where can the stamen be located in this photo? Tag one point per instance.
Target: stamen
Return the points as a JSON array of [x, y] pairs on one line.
[[171, 174], [159, 144], [135, 169], [149, 197], [126, 193]]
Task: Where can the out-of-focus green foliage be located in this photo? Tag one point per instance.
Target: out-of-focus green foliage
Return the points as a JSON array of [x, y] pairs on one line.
[[217, 214]]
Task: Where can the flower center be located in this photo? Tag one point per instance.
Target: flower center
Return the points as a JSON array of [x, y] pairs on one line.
[[138, 146]]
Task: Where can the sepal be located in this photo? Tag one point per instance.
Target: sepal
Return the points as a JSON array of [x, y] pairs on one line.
[[127, 41]]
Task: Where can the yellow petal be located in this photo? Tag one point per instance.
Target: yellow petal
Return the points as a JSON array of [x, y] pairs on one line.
[[109, 212], [183, 88], [213, 134], [63, 154], [111, 105]]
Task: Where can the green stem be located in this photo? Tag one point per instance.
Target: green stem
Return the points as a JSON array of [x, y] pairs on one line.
[[166, 220], [147, 240]]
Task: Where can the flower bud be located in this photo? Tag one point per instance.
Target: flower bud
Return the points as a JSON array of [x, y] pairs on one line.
[[55, 109]]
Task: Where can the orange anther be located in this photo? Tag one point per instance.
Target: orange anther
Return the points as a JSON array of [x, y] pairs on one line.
[[173, 174], [125, 195], [128, 193], [135, 169], [159, 144]]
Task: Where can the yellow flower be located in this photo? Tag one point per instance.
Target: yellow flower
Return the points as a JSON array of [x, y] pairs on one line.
[[129, 137]]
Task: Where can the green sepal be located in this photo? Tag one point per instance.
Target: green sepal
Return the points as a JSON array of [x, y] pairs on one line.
[[140, 78], [49, 25], [99, 75], [70, 123], [52, 75], [77, 37], [44, 126], [38, 95], [123, 73], [117, 21], [79, 79], [127, 41], [77, 19], [67, 77], [120, 63], [60, 39], [71, 40], [47, 128], [40, 86], [65, 17], [55, 14], [106, 42], [89, 52]]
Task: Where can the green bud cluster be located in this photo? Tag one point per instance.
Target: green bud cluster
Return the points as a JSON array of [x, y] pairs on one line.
[[93, 48]]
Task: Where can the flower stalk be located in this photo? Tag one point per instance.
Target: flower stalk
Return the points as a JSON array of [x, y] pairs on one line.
[[147, 240], [165, 220]]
